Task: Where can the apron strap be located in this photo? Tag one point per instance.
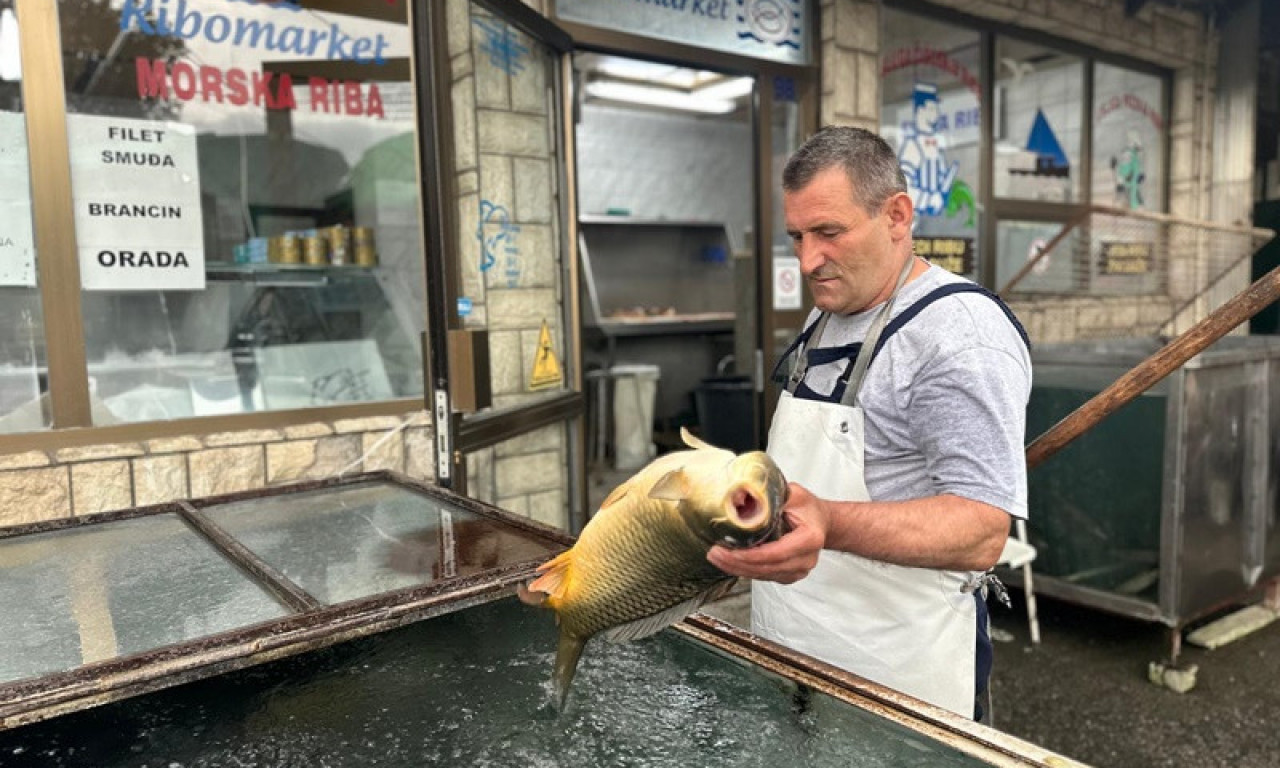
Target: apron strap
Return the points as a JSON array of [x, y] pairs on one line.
[[801, 364], [871, 342]]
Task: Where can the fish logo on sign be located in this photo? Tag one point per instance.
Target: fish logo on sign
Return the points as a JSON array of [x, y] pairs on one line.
[[771, 21], [546, 368]]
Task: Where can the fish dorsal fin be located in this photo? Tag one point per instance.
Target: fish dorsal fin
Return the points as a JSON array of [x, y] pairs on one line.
[[673, 486], [650, 625], [694, 442], [554, 576]]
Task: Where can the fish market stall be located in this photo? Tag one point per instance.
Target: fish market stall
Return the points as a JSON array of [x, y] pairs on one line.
[[1166, 510], [370, 620]]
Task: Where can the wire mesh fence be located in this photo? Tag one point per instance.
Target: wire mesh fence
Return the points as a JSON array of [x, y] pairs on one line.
[[1178, 270]]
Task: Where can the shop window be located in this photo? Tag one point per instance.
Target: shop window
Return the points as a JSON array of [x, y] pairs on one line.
[[932, 115], [246, 204], [1019, 243], [1039, 97], [23, 382], [1128, 139]]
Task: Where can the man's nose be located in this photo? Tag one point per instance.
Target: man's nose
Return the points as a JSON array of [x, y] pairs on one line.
[[810, 253]]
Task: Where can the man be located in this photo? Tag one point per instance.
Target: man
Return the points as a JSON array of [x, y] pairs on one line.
[[905, 453]]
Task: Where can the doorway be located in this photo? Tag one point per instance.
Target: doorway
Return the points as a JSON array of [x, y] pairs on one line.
[[669, 290]]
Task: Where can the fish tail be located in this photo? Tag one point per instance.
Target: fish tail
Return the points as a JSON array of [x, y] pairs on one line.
[[567, 654]]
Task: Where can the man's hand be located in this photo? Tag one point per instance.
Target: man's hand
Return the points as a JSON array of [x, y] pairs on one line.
[[791, 557]]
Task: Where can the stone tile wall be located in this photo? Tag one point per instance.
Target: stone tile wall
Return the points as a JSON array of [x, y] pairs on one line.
[[527, 475], [46, 485], [505, 157]]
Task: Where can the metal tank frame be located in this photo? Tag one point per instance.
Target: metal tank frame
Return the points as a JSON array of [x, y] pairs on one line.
[[316, 626], [1210, 557]]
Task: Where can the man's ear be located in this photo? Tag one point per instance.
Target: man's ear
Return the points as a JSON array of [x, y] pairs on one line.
[[901, 213]]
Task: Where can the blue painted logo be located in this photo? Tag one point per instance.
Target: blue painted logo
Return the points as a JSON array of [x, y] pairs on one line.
[[771, 21], [464, 306], [502, 46], [497, 233]]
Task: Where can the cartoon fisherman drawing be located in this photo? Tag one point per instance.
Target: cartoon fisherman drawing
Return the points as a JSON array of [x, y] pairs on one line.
[[923, 160], [1130, 170]]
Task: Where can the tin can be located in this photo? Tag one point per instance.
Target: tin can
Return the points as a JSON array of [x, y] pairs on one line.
[[284, 249], [365, 250], [339, 244], [290, 249], [315, 250]]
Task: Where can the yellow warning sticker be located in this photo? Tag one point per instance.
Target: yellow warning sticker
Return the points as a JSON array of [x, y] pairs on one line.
[[546, 368]]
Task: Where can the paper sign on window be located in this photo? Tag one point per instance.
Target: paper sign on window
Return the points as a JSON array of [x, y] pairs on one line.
[[17, 243], [136, 188]]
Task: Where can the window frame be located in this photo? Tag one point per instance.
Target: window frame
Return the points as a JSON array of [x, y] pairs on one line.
[[58, 267], [996, 209]]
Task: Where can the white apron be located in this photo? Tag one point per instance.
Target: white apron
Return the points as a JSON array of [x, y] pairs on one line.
[[911, 629]]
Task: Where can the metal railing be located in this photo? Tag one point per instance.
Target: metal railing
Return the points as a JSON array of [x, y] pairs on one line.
[[1187, 268]]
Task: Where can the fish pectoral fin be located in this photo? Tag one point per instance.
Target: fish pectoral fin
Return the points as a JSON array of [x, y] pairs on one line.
[[694, 442], [673, 486], [553, 578], [651, 625], [529, 597]]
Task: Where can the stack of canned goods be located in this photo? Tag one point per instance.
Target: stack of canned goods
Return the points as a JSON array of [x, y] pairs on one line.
[[338, 245]]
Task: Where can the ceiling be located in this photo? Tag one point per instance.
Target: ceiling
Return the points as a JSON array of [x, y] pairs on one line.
[[621, 81]]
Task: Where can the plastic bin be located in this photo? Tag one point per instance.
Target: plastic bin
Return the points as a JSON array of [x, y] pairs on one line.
[[725, 407], [635, 387]]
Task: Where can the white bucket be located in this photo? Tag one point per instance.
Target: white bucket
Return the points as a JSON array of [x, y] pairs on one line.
[[635, 387]]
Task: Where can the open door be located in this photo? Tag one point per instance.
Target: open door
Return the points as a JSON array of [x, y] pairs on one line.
[[506, 386]]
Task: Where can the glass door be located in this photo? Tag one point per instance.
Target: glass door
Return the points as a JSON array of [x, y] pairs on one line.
[[788, 117], [506, 289]]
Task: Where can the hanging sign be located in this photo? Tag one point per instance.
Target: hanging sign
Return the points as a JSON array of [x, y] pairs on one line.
[[954, 254], [17, 242], [786, 283], [546, 368], [1125, 258], [764, 29], [136, 187]]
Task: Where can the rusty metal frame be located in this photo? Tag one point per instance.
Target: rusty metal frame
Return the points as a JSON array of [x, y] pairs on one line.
[[957, 732], [35, 699]]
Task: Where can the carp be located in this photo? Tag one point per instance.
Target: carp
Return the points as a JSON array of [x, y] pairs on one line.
[[640, 563]]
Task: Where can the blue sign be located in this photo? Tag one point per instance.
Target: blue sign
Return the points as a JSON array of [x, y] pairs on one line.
[[765, 29]]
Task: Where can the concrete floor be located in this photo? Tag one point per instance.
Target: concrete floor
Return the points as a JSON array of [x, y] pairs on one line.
[[1083, 692]]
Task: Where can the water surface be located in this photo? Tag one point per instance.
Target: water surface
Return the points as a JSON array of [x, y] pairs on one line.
[[471, 689]]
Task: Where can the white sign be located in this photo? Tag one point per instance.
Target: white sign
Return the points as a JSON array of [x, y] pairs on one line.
[[786, 283], [136, 187], [766, 29], [17, 241]]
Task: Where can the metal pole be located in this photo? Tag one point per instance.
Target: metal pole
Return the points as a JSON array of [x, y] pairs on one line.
[[1221, 321]]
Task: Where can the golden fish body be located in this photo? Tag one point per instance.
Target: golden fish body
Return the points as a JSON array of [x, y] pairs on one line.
[[640, 564]]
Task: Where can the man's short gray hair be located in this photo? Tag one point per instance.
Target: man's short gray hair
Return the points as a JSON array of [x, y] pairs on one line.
[[867, 159]]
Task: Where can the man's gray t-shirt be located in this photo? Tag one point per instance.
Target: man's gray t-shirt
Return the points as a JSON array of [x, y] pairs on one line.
[[945, 399]]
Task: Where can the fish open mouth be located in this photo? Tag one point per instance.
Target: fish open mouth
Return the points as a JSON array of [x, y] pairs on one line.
[[747, 508]]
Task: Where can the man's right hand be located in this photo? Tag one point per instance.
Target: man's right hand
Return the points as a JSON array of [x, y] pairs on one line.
[[790, 558]]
